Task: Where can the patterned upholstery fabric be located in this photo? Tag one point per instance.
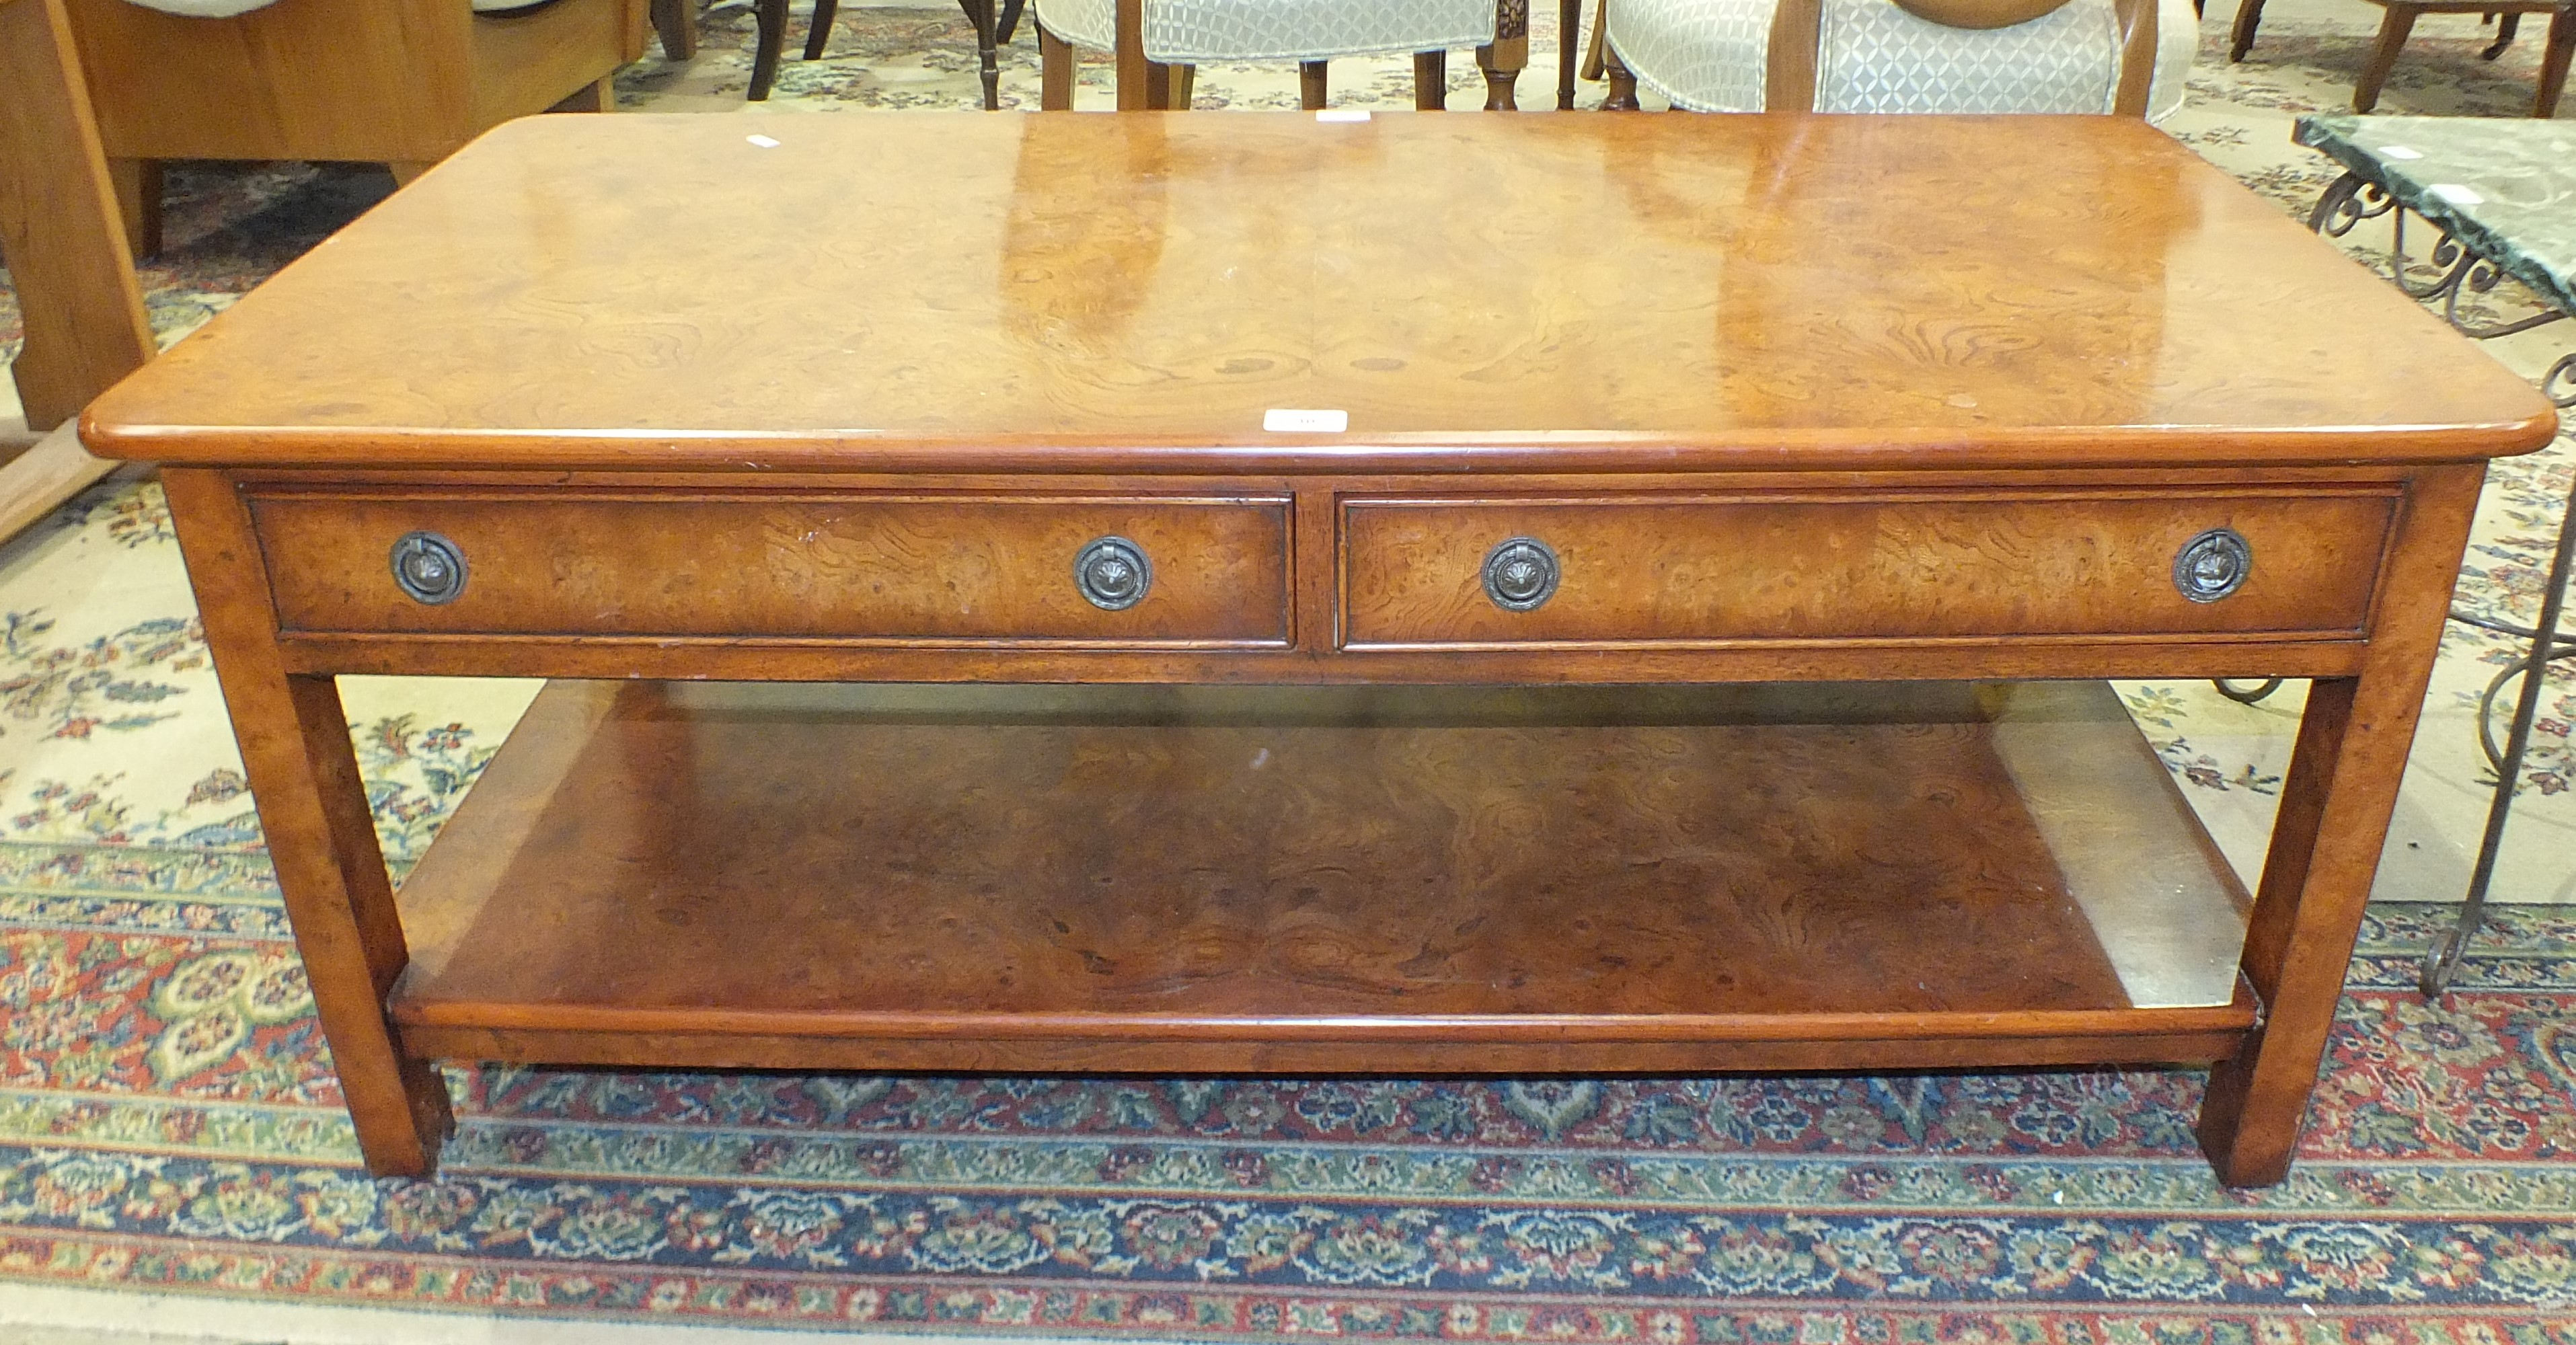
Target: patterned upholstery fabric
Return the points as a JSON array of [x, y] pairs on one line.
[[1874, 57], [1190, 31], [1708, 56]]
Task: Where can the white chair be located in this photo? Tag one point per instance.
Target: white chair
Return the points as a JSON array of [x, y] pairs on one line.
[[1961, 56], [1161, 40]]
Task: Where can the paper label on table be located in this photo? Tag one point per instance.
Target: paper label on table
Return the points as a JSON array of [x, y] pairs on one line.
[[2399, 152], [1343, 114], [763, 141], [2456, 194], [1279, 421]]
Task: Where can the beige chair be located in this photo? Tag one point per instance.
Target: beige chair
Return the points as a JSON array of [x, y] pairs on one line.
[[1956, 56], [1158, 42], [400, 82]]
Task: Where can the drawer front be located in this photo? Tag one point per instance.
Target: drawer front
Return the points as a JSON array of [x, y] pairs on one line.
[[1899, 567], [931, 568]]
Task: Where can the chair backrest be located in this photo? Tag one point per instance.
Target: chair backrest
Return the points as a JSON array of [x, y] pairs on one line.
[[1796, 49]]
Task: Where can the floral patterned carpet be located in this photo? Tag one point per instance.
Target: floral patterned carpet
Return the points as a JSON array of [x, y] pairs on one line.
[[169, 1121]]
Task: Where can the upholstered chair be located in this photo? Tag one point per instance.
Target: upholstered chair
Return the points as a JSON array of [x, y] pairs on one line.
[[2128, 56], [1164, 39]]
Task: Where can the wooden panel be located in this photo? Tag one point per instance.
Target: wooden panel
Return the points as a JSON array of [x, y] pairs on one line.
[[2142, 1037], [886, 567], [1258, 867], [1885, 567], [527, 63], [1131, 293], [300, 79], [59, 230]]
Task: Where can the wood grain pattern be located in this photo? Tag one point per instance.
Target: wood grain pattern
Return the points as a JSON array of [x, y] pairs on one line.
[[321, 835], [1784, 566], [1109, 293], [864, 566], [2335, 805], [1852, 398], [1261, 867], [60, 225]]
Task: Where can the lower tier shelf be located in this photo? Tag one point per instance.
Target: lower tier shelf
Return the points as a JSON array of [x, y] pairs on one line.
[[1319, 880]]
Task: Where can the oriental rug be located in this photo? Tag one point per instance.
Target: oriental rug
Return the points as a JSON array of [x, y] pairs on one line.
[[169, 1120]]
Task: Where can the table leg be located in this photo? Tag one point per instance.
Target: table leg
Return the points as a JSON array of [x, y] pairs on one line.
[[60, 224], [2335, 805], [2545, 648], [321, 836]]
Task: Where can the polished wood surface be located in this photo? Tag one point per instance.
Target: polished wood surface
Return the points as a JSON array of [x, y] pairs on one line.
[[862, 566], [1788, 397], [1271, 867], [1108, 292], [60, 227], [1643, 569]]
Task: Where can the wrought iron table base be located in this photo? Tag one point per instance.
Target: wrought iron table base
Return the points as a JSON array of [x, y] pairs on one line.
[[2354, 198]]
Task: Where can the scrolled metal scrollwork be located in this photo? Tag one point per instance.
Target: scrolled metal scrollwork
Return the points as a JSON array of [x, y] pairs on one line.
[[2213, 565], [2352, 199], [1112, 573], [2559, 384], [429, 568]]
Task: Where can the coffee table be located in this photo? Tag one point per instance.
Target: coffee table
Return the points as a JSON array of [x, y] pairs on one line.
[[1264, 594]]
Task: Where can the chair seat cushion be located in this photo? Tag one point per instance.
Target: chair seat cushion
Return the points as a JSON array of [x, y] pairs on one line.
[[1190, 31]]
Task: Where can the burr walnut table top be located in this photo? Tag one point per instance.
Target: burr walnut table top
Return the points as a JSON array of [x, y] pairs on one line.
[[1304, 432], [974, 293]]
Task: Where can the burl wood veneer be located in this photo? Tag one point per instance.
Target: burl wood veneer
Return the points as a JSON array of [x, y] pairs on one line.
[[1409, 742]]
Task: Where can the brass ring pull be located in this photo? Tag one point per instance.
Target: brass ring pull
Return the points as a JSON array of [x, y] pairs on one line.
[[1521, 574], [2213, 565], [1112, 573], [429, 568]]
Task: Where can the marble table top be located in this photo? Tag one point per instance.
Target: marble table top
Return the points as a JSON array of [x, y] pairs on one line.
[[2504, 187]]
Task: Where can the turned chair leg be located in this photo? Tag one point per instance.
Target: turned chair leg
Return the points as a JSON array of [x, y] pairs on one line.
[[2554, 60], [1623, 82], [987, 55], [771, 15], [2383, 57], [676, 22], [821, 32], [1569, 36], [1311, 86], [1503, 59], [2240, 39], [1430, 81], [1010, 20], [1055, 72]]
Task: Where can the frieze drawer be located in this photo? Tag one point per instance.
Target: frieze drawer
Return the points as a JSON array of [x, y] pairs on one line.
[[929, 568], [1902, 566]]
